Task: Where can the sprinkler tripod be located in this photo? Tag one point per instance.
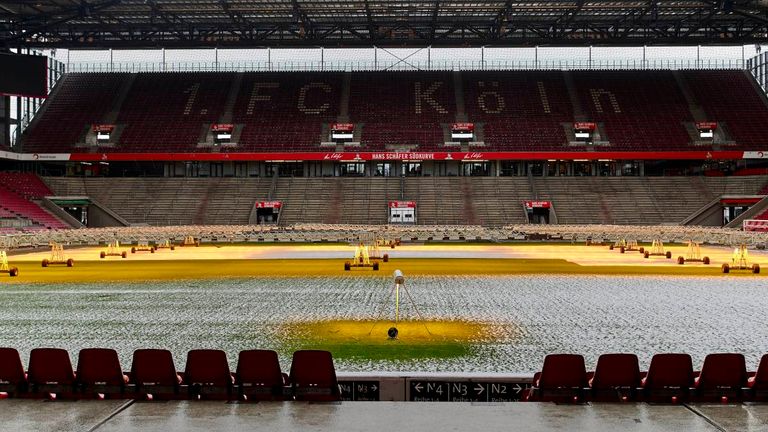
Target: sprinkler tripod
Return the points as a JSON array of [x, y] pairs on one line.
[[399, 280]]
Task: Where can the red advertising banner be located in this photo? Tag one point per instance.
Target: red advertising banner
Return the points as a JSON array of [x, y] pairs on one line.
[[402, 204], [585, 126], [739, 201], [103, 128], [463, 127], [222, 127], [385, 156], [706, 125], [269, 204], [343, 127], [538, 204]]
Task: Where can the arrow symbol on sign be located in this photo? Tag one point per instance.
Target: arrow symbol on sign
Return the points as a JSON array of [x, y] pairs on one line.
[[479, 389], [518, 389], [373, 387], [418, 387]]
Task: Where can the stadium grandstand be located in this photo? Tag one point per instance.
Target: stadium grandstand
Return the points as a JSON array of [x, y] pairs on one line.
[[497, 147]]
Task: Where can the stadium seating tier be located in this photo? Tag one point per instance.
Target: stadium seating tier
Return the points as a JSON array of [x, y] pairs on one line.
[[78, 101], [729, 98], [169, 112], [518, 111], [641, 111], [286, 112], [17, 190], [402, 108]]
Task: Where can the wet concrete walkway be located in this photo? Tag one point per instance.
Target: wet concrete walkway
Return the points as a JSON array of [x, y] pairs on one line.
[[27, 415]]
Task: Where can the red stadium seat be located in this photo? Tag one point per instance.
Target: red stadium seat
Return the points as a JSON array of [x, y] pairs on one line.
[[313, 376], [17, 190], [562, 379], [99, 373], [207, 374], [616, 378], [259, 377], [758, 384], [722, 378], [13, 380], [669, 379], [50, 373], [155, 375]]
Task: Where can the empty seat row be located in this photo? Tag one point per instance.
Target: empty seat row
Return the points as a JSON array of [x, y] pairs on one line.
[[153, 376], [669, 379]]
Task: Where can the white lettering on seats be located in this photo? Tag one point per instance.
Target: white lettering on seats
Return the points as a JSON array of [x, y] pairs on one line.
[[426, 96], [303, 98], [481, 99], [543, 96], [192, 92], [256, 97], [598, 93]]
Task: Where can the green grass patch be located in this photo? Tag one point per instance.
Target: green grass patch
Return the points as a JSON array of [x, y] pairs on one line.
[[368, 340], [392, 350]]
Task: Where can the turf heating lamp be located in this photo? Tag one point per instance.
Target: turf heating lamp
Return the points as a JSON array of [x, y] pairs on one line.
[[399, 286], [399, 281]]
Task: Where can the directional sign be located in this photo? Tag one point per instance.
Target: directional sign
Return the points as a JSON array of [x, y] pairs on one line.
[[346, 387], [465, 391], [504, 392], [360, 390], [429, 391]]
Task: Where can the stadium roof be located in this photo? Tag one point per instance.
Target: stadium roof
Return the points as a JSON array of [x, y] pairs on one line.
[[193, 23]]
